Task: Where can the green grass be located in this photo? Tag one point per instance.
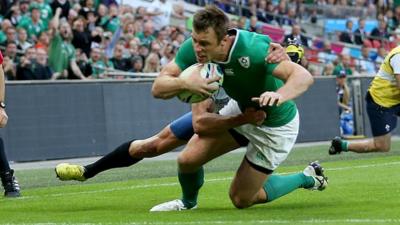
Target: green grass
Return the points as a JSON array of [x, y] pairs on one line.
[[363, 189]]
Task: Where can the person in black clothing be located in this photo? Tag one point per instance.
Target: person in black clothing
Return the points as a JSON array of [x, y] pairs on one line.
[[296, 34], [347, 35], [120, 63], [10, 184], [34, 66], [63, 4], [360, 34], [81, 37]]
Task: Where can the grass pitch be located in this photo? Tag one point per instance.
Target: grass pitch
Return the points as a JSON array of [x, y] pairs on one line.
[[363, 189]]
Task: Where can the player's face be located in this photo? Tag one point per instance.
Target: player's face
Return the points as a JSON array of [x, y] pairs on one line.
[[206, 45]]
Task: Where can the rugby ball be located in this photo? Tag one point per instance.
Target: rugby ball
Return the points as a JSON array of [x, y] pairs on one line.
[[207, 70]]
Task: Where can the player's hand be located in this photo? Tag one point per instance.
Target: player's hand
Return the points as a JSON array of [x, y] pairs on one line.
[[276, 54], [268, 98], [253, 116], [3, 118], [196, 84]]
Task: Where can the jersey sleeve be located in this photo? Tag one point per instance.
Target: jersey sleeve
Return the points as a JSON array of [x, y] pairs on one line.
[[185, 56]]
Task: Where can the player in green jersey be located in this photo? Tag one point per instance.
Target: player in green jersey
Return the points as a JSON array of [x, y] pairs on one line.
[[253, 85]]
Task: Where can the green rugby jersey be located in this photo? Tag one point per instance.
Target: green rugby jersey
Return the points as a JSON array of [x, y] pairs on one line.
[[246, 74]]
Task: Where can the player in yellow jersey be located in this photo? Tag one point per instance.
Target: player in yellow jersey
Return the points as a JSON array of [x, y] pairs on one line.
[[383, 108]]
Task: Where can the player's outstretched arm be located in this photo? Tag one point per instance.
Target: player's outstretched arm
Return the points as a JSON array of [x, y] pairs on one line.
[[205, 122]]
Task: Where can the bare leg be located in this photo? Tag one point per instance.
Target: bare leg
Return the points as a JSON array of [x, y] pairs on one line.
[[246, 188], [377, 144], [163, 142]]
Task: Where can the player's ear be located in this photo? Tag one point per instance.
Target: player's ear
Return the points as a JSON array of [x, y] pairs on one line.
[[224, 40]]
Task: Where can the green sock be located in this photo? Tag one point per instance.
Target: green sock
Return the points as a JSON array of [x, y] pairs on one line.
[[345, 145], [278, 186], [191, 184]]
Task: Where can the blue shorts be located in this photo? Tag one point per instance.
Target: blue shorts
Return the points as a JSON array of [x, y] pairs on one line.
[[383, 120], [182, 128]]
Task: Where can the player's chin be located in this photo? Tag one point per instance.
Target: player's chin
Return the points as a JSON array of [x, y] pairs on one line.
[[201, 59]]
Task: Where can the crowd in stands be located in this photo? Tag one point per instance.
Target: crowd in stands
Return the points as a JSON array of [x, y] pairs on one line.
[[84, 39], [94, 39]]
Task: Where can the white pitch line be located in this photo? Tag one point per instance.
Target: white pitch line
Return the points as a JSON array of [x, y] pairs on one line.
[[175, 183], [272, 221]]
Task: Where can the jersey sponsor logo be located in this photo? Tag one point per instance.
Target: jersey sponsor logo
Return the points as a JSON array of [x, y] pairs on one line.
[[244, 61], [229, 71]]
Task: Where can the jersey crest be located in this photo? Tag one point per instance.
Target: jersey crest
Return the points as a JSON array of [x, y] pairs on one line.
[[244, 61]]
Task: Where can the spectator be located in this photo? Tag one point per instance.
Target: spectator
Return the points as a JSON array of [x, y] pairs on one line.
[[61, 51], [87, 6], [152, 64], [119, 62], [290, 19], [328, 69], [15, 15], [99, 63], [22, 43], [343, 66], [34, 24], [83, 63], [9, 68], [262, 11], [342, 91], [134, 48], [147, 36], [64, 5], [43, 41], [365, 64], [72, 16], [24, 7], [42, 70], [380, 56], [91, 20], [11, 34], [143, 51], [347, 35], [111, 22], [137, 64], [169, 52], [46, 13], [81, 37], [11, 52], [26, 65], [5, 24], [326, 55], [343, 100], [254, 26], [296, 34], [160, 11], [360, 34], [379, 34], [102, 11]]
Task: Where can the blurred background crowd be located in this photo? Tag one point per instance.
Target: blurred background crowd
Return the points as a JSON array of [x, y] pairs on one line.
[[119, 39]]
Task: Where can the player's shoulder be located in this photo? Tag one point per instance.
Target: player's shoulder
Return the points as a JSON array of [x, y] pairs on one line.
[[252, 40]]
